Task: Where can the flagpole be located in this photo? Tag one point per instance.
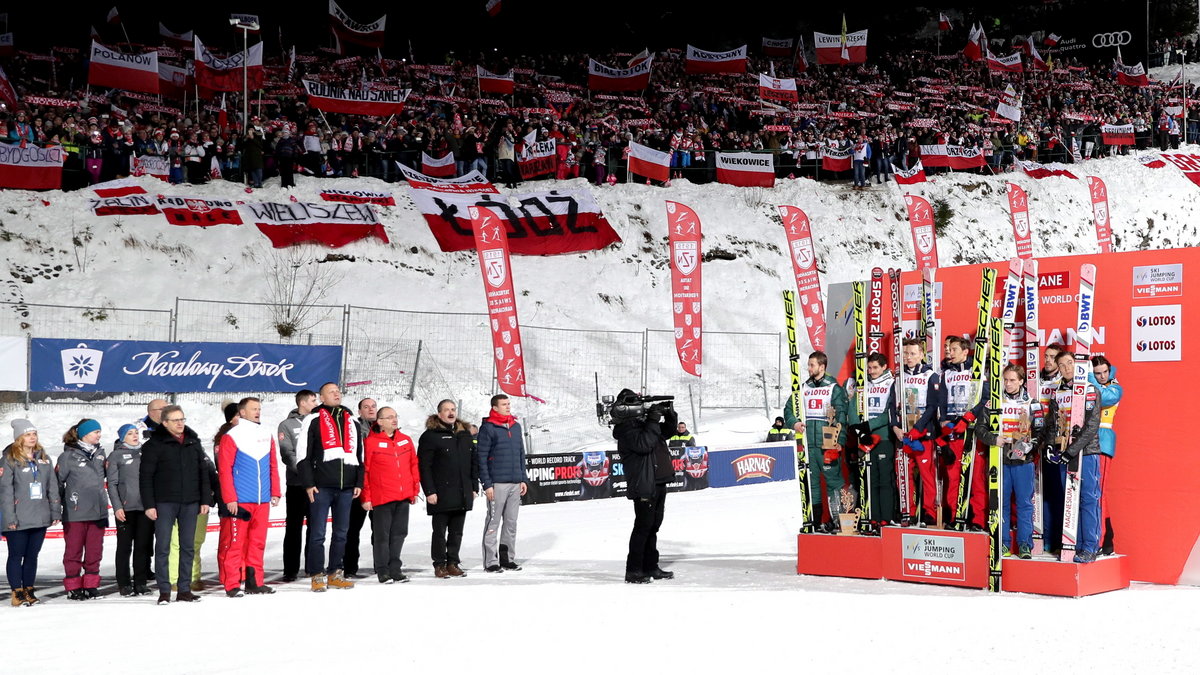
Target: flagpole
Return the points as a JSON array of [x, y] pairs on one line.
[[245, 78], [122, 22]]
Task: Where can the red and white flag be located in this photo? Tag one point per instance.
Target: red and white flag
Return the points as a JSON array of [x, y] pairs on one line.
[[920, 219], [1189, 164], [358, 196], [975, 44], [492, 83], [639, 57], [772, 47], [495, 263], [492, 7], [1130, 76], [777, 88], [1100, 213], [1039, 171], [732, 62], [911, 177], [198, 212], [957, 157], [8, 93], [944, 22], [364, 101], [1117, 134], [6, 44], [1037, 61], [1006, 64], [180, 39], [801, 60], [122, 187], [226, 74], [1153, 161], [31, 167], [129, 72], [355, 32], [129, 205], [836, 159], [745, 169], [833, 50], [1051, 40], [175, 82], [326, 223], [537, 158], [648, 162], [113, 15], [683, 235], [634, 78], [1018, 208], [808, 278], [442, 167], [1009, 104]]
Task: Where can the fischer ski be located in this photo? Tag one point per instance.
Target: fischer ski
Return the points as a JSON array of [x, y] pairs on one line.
[[860, 388], [904, 486], [987, 289], [806, 507], [1083, 368], [994, 472], [927, 324], [1033, 382]]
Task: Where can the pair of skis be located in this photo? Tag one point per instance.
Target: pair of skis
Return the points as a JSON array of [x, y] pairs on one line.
[[1079, 385], [806, 497]]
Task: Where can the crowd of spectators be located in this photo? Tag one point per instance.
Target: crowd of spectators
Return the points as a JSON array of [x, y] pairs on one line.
[[897, 102]]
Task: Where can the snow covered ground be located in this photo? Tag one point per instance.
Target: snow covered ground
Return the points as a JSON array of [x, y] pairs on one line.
[[736, 605]]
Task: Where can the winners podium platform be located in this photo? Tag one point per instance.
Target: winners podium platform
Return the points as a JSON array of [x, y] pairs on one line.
[[951, 558]]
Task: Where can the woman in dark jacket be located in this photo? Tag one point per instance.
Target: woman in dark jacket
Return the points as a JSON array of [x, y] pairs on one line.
[[450, 481], [252, 158]]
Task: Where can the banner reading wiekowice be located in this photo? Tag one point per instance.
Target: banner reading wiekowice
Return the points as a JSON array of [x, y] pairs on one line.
[[1099, 192], [491, 241], [328, 224], [1018, 207], [683, 233], [332, 98], [920, 219], [745, 169], [732, 62], [129, 72], [808, 279], [634, 78], [835, 159], [31, 167]]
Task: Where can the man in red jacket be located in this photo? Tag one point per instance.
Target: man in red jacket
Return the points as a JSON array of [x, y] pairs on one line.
[[249, 478], [391, 481]]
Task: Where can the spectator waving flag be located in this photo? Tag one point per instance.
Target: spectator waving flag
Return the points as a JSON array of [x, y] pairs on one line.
[[492, 83], [1005, 64], [975, 42], [1009, 105], [442, 167], [777, 89], [1051, 40], [113, 15], [8, 93], [1035, 57]]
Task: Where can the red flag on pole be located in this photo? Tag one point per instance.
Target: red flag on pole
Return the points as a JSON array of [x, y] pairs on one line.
[[808, 279], [1018, 208], [944, 22], [491, 241], [920, 219], [683, 231]]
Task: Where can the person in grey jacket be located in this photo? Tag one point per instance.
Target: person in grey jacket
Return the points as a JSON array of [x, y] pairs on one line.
[[29, 503], [501, 456], [294, 494], [135, 532], [81, 479]]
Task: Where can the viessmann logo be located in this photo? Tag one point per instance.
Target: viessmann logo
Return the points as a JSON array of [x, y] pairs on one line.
[[933, 557], [1158, 281], [755, 465]]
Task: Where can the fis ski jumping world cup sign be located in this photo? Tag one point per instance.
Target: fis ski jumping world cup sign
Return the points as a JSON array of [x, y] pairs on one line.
[[928, 557]]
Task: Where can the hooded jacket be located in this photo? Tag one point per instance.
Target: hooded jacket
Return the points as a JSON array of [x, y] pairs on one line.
[[448, 466], [81, 483], [16, 505], [123, 466], [289, 431], [1110, 398]]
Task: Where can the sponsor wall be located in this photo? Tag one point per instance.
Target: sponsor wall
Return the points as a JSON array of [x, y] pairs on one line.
[[751, 464], [600, 474], [1141, 299]]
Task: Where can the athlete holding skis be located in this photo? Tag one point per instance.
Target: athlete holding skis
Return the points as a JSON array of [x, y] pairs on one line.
[[959, 416], [874, 436], [1052, 493], [820, 396], [923, 405]]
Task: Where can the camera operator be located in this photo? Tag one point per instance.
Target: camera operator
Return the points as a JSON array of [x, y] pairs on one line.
[[642, 444]]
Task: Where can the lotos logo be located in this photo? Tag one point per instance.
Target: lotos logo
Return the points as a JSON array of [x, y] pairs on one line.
[[1167, 320], [1155, 345], [754, 465]]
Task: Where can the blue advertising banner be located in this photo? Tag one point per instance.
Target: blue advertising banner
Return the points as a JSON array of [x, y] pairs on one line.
[[752, 464], [136, 366]]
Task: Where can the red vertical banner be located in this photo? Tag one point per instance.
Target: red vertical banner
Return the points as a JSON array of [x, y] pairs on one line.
[[920, 218], [875, 313], [683, 231], [808, 280], [491, 241], [1100, 211], [1018, 208]]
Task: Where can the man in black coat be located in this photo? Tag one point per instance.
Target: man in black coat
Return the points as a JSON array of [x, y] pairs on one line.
[[642, 444], [175, 486], [450, 480]]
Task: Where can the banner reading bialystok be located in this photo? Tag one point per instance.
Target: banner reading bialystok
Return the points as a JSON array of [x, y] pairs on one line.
[[135, 366]]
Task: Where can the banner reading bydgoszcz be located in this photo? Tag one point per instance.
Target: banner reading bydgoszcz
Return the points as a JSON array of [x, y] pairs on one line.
[[634, 78], [957, 157], [31, 167], [328, 224], [830, 50], [491, 241], [772, 47], [777, 89], [358, 196], [129, 72], [537, 159], [648, 162], [808, 278], [732, 62], [492, 83], [1100, 213], [920, 219], [362, 101], [745, 169], [1018, 207], [227, 74], [349, 30], [683, 235], [1117, 134], [202, 212], [124, 366], [835, 159]]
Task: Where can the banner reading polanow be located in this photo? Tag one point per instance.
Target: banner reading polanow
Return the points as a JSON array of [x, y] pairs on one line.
[[136, 366]]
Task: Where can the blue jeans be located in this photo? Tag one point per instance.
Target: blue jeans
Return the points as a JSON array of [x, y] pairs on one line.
[[314, 554], [479, 164], [255, 177], [860, 172], [1018, 484], [168, 514], [23, 549], [1087, 534]]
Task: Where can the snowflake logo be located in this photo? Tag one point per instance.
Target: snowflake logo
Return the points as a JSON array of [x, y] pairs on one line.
[[81, 366]]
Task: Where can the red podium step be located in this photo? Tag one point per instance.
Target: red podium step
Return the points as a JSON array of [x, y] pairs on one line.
[[839, 556], [1046, 576]]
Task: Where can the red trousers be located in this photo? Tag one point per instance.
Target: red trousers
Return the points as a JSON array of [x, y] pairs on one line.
[[978, 496], [84, 548], [241, 546]]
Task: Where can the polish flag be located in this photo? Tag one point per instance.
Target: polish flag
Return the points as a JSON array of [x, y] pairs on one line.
[[492, 7], [777, 89], [914, 175], [801, 59], [180, 39], [745, 169], [493, 83], [835, 159], [443, 167], [1006, 64], [944, 22], [118, 188], [640, 57], [1051, 40], [634, 78], [649, 162], [732, 62], [975, 40], [1038, 62], [113, 16], [1035, 170], [130, 72], [1130, 76], [772, 47]]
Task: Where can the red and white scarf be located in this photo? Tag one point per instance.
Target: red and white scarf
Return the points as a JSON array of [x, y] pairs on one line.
[[334, 439]]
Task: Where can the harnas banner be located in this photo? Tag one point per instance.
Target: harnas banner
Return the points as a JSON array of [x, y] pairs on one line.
[[135, 366]]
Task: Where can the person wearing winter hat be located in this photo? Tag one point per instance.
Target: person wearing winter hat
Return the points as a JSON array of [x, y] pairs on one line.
[[81, 479], [135, 532], [29, 503]]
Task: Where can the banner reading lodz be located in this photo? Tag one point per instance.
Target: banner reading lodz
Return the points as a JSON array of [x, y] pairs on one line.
[[125, 366], [808, 278], [683, 230], [491, 241]]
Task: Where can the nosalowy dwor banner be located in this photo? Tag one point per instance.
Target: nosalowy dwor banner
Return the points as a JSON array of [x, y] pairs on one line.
[[328, 224], [920, 219], [540, 223], [683, 235], [633, 78], [1100, 213], [31, 167], [358, 197], [746, 169], [360, 101], [732, 62], [491, 241], [832, 51], [537, 159], [135, 366], [228, 74], [1117, 134], [200, 212], [348, 30], [808, 278], [128, 72], [1018, 207]]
